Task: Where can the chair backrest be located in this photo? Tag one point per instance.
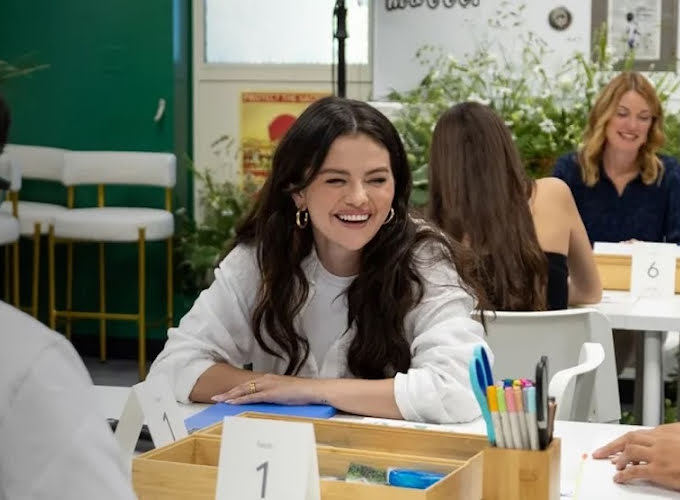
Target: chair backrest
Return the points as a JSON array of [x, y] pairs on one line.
[[10, 170], [119, 167], [518, 339], [38, 162], [573, 387]]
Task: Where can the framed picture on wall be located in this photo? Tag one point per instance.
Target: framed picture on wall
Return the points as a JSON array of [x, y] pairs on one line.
[[649, 28]]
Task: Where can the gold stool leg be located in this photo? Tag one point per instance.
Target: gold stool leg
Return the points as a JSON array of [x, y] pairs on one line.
[[36, 269], [170, 284], [102, 303], [50, 278], [69, 286], [142, 304], [15, 273]]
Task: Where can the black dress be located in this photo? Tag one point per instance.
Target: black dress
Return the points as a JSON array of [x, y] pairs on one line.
[[558, 288]]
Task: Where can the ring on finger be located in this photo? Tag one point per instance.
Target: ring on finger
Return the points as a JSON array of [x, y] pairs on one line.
[[252, 388]]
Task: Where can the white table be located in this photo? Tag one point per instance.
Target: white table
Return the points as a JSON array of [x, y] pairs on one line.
[[594, 476], [652, 317]]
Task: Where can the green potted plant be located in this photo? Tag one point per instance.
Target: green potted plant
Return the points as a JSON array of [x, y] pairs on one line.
[[201, 244]]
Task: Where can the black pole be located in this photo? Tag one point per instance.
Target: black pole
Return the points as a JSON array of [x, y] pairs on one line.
[[340, 12]]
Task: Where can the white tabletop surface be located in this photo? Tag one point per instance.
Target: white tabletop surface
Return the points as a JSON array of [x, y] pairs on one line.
[[626, 312], [580, 478]]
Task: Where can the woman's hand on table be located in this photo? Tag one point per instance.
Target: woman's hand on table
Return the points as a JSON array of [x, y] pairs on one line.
[[269, 388]]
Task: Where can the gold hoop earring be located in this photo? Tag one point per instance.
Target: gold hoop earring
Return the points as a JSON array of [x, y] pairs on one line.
[[389, 217], [302, 218]]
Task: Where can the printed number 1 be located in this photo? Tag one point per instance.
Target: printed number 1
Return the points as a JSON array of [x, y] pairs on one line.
[[165, 418], [263, 466]]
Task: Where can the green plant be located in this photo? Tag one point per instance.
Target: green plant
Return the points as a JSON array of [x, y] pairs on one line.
[[199, 245], [546, 112]]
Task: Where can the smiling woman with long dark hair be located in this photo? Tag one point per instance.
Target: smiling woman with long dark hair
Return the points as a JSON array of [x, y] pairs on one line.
[[333, 292]]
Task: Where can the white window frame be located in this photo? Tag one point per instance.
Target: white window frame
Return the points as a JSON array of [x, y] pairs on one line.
[[356, 73]]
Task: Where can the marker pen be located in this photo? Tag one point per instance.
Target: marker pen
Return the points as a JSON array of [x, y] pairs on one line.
[[514, 422], [505, 419], [530, 413], [523, 429], [495, 417]]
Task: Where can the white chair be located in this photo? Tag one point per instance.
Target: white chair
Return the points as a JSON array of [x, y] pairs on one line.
[[9, 227], [41, 163], [573, 387], [670, 359], [518, 339], [114, 224]]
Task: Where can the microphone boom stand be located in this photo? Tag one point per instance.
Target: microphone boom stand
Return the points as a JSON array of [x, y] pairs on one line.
[[340, 13]]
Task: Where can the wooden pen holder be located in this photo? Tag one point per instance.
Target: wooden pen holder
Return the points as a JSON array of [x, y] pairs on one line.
[[522, 474]]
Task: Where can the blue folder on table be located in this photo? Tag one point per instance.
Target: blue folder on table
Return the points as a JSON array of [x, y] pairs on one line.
[[218, 411]]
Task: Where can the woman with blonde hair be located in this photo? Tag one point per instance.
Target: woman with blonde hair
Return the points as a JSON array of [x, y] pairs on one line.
[[623, 188], [532, 247]]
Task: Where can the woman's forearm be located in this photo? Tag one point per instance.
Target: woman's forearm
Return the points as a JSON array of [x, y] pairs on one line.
[[217, 379], [373, 398]]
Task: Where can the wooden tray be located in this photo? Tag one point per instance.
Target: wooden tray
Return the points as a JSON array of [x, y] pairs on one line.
[[615, 272], [188, 468]]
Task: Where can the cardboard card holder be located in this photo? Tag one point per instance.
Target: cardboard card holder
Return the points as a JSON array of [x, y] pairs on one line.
[[522, 474]]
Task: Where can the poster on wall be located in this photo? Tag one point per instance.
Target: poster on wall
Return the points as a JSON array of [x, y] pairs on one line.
[[648, 28], [635, 25], [265, 119]]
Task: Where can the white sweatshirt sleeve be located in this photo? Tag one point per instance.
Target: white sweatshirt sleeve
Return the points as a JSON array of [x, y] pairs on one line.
[[216, 329], [437, 387]]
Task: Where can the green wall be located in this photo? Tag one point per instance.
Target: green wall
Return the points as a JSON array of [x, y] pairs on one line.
[[109, 64]]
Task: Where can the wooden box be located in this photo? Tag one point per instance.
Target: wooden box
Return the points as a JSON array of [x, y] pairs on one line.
[[188, 468], [615, 272]]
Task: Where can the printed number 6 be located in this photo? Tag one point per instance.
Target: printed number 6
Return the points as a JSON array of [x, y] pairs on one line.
[[263, 467], [652, 272]]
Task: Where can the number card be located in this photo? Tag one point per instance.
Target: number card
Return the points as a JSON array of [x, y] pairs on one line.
[[653, 269], [153, 401], [267, 460]]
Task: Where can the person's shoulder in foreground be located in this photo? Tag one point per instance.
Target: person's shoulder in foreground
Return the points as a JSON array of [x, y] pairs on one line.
[[54, 442]]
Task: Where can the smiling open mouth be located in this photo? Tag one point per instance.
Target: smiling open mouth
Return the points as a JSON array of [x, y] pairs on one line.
[[353, 219]]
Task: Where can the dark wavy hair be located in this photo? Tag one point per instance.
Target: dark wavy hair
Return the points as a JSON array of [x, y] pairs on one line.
[[388, 285], [479, 194]]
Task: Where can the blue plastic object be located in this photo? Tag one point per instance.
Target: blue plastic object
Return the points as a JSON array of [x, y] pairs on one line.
[[218, 411], [408, 478]]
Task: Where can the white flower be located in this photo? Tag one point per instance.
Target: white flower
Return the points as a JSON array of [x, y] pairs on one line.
[[547, 126], [566, 82], [477, 98]]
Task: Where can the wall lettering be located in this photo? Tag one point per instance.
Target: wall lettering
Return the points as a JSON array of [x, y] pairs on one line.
[[432, 4]]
